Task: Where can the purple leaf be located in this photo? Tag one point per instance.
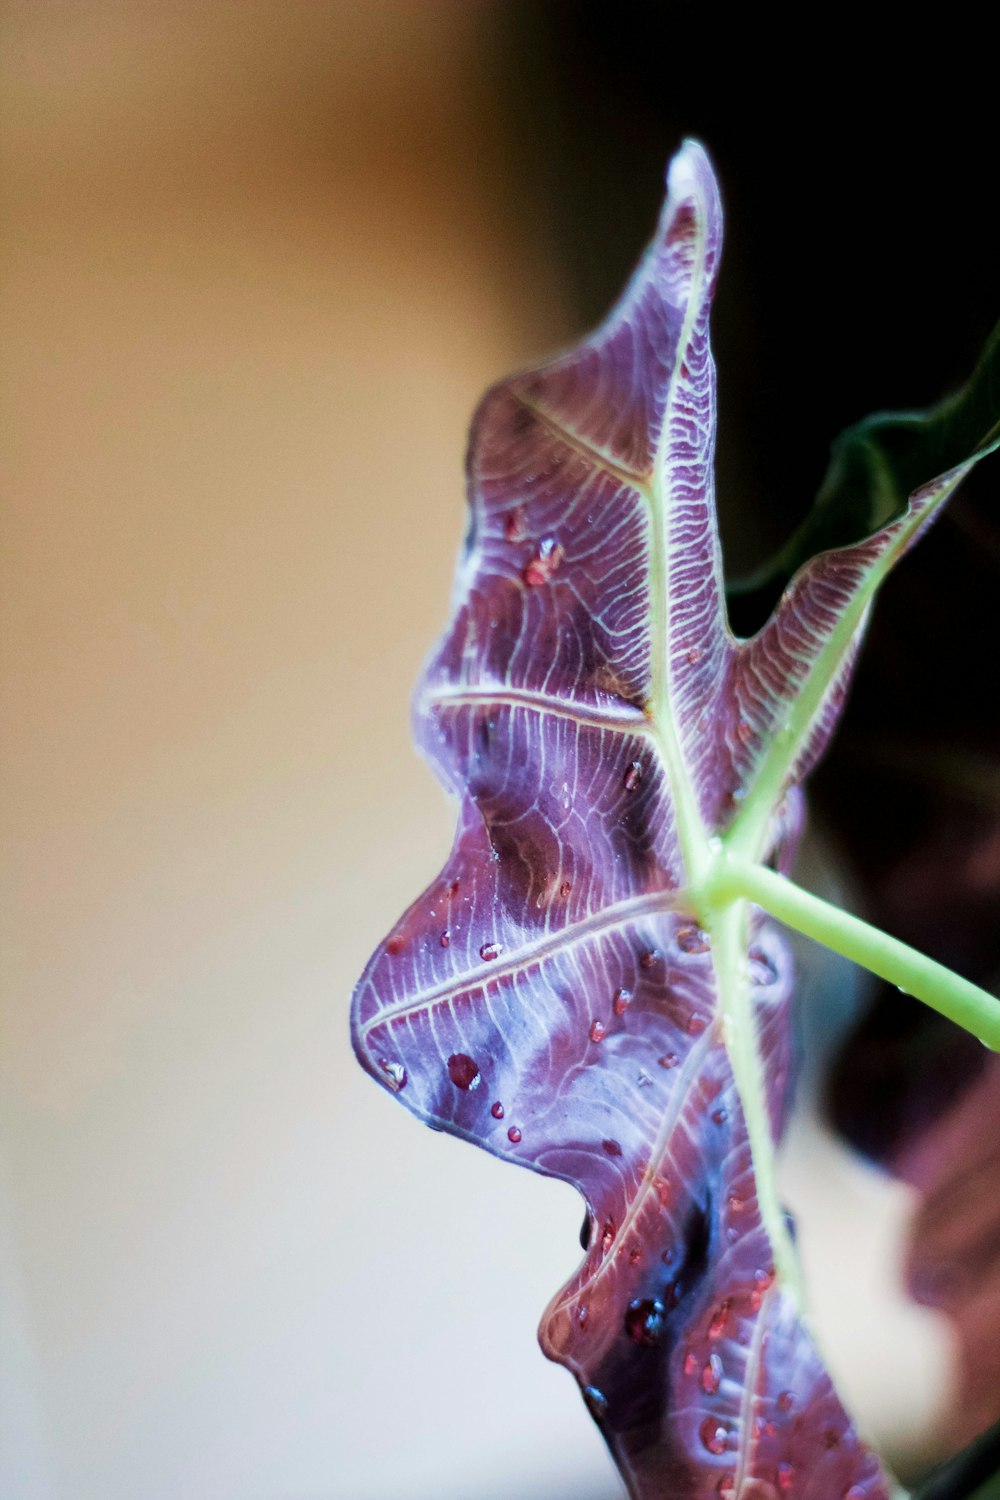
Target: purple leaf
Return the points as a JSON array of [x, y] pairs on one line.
[[557, 996]]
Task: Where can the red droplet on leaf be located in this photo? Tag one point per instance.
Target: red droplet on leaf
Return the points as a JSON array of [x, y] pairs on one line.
[[720, 1319], [644, 1321], [714, 1435], [544, 563], [711, 1375], [691, 939], [620, 1003], [463, 1071]]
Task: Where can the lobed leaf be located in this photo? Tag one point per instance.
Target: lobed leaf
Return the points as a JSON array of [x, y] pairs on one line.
[[562, 996]]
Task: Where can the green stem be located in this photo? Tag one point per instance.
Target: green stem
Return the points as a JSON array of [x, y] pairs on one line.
[[729, 942], [964, 1003]]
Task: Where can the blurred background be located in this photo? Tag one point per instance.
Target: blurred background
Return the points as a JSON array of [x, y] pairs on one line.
[[258, 261]]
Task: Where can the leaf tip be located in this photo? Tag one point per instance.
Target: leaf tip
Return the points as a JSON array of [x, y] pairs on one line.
[[691, 176]]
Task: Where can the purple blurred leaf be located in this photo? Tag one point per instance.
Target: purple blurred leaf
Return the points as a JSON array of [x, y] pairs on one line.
[[555, 996], [953, 1259]]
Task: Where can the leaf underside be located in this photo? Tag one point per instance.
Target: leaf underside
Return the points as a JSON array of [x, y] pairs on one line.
[[559, 995]]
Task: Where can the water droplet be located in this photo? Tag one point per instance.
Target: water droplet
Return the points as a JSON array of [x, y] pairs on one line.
[[786, 1477], [463, 1071], [762, 970], [714, 1435], [744, 731], [514, 1135], [582, 1313], [597, 1032], [395, 945], [496, 1110], [644, 1080], [695, 655], [597, 1402], [546, 560], [726, 1487], [786, 1401], [762, 1281], [513, 524], [720, 1116], [453, 889], [612, 1148], [696, 1025], [620, 1002], [394, 1073], [445, 939], [633, 776], [608, 1235], [490, 951], [667, 1257], [644, 1321], [565, 888], [635, 1255], [649, 959], [735, 1203], [692, 939], [668, 1060], [711, 1375], [720, 1319]]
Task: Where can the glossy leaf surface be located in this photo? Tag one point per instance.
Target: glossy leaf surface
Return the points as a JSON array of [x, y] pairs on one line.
[[561, 995]]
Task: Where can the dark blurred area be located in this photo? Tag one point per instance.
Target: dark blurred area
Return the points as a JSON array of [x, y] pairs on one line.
[[858, 173]]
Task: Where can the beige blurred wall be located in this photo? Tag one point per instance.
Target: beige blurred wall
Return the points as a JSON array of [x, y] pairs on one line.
[[259, 259]]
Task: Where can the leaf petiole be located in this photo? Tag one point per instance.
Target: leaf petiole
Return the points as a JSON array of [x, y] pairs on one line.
[[914, 973]]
